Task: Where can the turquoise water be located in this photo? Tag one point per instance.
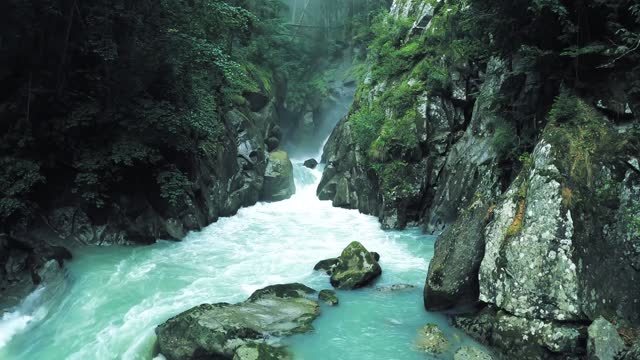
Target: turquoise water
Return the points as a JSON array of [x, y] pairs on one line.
[[111, 299]]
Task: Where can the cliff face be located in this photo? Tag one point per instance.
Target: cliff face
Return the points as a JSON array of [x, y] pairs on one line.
[[138, 214], [532, 200]]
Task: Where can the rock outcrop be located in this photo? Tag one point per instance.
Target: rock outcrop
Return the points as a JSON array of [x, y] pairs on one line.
[[604, 341], [356, 267], [239, 331], [278, 178]]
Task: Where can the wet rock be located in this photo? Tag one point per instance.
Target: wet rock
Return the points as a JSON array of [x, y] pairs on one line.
[[278, 178], [522, 338], [326, 265], [395, 288], [356, 268], [272, 143], [452, 279], [604, 342], [283, 291], [375, 255], [471, 353], [432, 340], [634, 352], [260, 351], [328, 297], [220, 330], [311, 163]]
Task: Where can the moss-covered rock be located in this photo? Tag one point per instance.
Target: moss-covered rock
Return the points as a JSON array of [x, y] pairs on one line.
[[432, 340], [283, 291], [278, 178], [523, 338], [471, 353], [328, 297], [356, 268], [260, 351], [218, 330]]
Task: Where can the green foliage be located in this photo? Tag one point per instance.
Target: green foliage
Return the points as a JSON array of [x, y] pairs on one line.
[[17, 180], [505, 140], [365, 125], [583, 140], [396, 133], [174, 185]]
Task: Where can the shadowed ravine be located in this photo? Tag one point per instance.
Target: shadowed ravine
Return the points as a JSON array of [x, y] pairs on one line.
[[116, 296]]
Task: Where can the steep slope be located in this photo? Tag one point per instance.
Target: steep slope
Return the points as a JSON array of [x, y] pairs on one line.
[[520, 148]]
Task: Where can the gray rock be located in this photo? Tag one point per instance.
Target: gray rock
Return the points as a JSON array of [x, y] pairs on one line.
[[326, 265], [272, 143], [311, 163], [283, 291], [278, 178], [522, 338], [634, 352], [220, 330], [471, 353], [452, 279], [395, 288], [260, 351], [431, 340], [604, 341], [356, 268], [328, 297], [529, 267]]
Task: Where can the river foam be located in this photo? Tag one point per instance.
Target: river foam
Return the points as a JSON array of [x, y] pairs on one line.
[[116, 296]]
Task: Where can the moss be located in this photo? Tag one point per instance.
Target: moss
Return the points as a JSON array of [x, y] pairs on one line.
[[518, 220], [567, 197]]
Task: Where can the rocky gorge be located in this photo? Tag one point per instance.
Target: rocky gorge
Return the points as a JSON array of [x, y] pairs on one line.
[[500, 161], [537, 244]]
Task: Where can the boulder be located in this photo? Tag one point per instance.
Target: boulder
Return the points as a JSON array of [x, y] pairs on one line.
[[282, 291], [431, 340], [522, 338], [604, 342], [328, 297], [452, 279], [326, 265], [471, 353], [311, 163], [356, 268], [226, 331], [278, 179]]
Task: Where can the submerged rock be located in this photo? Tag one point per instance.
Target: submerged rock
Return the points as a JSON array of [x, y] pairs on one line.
[[471, 353], [278, 178], [395, 288], [356, 268], [604, 342], [220, 330], [328, 297], [311, 163], [260, 351], [431, 340]]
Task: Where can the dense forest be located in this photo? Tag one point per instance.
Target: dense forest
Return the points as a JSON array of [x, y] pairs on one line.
[[509, 129]]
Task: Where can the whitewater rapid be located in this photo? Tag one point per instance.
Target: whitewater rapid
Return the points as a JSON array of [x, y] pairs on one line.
[[115, 296]]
